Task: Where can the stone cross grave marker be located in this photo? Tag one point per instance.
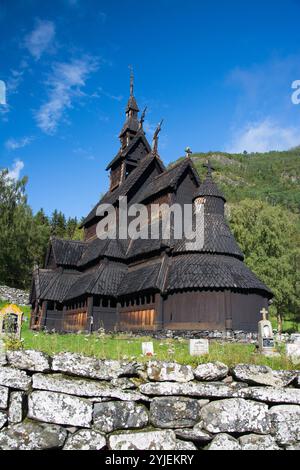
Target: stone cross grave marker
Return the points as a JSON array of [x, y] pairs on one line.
[[265, 334], [199, 347], [147, 348]]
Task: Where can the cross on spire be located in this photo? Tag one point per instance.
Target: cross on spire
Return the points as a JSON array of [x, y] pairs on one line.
[[131, 80], [209, 167]]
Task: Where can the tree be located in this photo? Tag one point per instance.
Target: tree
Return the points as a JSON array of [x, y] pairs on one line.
[[23, 241], [269, 238], [58, 224]]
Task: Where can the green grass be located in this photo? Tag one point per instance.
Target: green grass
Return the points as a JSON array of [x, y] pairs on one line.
[[127, 347]]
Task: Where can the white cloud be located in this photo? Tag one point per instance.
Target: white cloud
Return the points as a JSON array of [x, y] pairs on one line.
[[41, 39], [264, 136], [13, 144], [15, 171], [65, 84]]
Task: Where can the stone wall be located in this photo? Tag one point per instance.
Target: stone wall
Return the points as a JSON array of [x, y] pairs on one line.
[[74, 402], [14, 296]]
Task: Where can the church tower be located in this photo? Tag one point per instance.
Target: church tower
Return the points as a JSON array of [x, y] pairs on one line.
[[134, 145]]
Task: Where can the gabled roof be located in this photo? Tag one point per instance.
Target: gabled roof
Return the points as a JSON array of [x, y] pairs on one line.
[[169, 179], [67, 252], [105, 280], [123, 152], [131, 124], [130, 182]]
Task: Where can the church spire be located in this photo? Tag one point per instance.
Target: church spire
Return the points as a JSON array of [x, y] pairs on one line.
[[131, 125]]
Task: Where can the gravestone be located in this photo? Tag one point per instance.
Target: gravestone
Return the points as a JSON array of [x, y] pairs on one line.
[[265, 335], [295, 338], [293, 352], [199, 347], [147, 349], [11, 317]]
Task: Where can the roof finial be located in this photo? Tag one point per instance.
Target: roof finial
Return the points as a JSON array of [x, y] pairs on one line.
[[155, 138], [209, 167], [188, 152], [131, 80], [142, 118]]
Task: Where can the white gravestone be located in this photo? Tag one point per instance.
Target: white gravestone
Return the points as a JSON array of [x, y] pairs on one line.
[[147, 349], [265, 335], [293, 352], [199, 347], [295, 338]]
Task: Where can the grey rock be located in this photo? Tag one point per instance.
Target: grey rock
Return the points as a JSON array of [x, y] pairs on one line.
[[295, 446], [112, 416], [14, 378], [82, 387], [211, 371], [184, 445], [14, 296], [262, 375], [169, 371], [144, 440], [85, 439], [3, 397], [224, 442], [3, 419], [16, 407], [285, 423], [32, 436], [272, 395], [123, 383], [235, 415], [75, 364], [31, 360], [174, 412], [195, 434], [255, 442], [193, 389], [59, 408]]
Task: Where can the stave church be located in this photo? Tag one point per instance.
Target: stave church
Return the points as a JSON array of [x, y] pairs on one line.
[[148, 285]]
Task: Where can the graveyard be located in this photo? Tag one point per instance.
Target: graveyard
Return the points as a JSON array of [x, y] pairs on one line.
[[128, 347]]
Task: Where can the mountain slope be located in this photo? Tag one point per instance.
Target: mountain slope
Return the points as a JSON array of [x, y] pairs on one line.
[[273, 177]]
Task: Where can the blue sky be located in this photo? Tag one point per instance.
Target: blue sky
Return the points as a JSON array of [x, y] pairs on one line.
[[219, 73]]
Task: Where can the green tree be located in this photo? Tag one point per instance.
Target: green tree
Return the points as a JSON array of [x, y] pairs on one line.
[[269, 238], [58, 224], [22, 239]]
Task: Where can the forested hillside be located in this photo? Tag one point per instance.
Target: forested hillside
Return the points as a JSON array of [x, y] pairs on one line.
[[272, 177]]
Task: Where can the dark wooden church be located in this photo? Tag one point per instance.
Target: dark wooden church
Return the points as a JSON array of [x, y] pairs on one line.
[[149, 284]]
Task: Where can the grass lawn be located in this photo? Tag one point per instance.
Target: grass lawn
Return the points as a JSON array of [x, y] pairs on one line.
[[127, 347]]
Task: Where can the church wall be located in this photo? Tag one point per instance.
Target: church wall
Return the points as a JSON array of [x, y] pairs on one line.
[[246, 310], [195, 311], [213, 311]]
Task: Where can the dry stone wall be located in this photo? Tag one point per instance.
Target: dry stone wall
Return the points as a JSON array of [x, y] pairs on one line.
[[71, 402]]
